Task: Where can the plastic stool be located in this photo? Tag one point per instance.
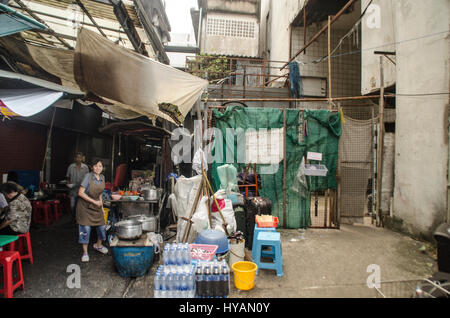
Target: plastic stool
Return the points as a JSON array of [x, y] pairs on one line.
[[272, 239], [42, 213], [24, 247], [64, 199], [7, 260], [55, 208], [255, 235]]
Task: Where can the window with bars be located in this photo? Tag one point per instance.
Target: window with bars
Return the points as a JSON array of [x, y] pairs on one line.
[[231, 28]]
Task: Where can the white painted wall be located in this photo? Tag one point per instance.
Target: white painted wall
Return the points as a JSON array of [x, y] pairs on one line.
[[378, 34], [420, 195]]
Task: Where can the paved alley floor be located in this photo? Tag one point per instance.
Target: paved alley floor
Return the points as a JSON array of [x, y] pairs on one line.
[[324, 263]]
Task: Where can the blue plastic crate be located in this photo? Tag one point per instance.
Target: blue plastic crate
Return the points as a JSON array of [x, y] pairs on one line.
[[132, 261]]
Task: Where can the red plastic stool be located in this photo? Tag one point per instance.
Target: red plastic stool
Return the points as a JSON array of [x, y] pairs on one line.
[[42, 213], [24, 247], [7, 260], [64, 199], [55, 209]]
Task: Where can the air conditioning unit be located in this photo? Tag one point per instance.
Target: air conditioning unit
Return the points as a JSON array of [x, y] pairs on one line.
[[314, 86]]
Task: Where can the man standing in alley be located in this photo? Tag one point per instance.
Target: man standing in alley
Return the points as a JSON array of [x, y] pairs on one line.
[[75, 175]]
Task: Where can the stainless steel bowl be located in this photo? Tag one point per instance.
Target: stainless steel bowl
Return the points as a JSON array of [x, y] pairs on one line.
[[128, 229]]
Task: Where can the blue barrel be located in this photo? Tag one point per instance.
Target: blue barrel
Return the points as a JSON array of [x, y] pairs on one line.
[[132, 261]]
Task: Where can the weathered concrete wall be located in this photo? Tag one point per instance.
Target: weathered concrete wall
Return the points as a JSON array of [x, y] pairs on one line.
[[235, 6], [378, 34], [420, 195], [282, 13], [234, 35]]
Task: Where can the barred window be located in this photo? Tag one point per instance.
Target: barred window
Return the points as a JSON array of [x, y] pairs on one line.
[[232, 28]]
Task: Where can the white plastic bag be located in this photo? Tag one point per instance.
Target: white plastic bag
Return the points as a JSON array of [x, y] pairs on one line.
[[200, 218], [228, 214], [197, 162]]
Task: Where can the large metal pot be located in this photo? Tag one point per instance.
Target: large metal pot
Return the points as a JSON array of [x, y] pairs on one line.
[[150, 194], [148, 222], [128, 229]]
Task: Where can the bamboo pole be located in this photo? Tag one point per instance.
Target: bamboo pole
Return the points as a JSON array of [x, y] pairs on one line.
[[318, 99], [194, 207]]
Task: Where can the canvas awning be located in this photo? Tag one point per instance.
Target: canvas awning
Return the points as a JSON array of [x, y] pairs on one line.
[[132, 81], [22, 95], [12, 21]]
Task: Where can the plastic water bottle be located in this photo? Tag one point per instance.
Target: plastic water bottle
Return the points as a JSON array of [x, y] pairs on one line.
[[170, 288], [163, 285], [179, 259], [186, 258], [176, 286], [166, 258], [157, 286], [172, 259], [184, 286]]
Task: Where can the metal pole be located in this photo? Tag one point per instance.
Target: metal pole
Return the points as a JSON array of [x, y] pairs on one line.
[[321, 99], [49, 136], [329, 62], [112, 160], [284, 170], [380, 145]]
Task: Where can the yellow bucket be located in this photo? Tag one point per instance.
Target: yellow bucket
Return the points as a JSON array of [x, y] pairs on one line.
[[244, 275], [106, 210]]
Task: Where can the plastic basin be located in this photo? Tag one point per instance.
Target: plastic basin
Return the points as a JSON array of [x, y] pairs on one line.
[[214, 237], [132, 261]]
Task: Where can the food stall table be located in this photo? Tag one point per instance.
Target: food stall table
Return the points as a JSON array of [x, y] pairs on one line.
[[6, 239]]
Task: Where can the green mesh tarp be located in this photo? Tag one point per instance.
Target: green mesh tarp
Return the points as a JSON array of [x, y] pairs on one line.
[[235, 117], [323, 129]]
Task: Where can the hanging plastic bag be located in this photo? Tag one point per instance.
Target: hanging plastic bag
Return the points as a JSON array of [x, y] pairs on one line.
[[300, 184], [200, 218], [197, 161]]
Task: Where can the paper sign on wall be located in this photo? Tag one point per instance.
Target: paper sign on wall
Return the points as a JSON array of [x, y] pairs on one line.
[[264, 146], [314, 156]]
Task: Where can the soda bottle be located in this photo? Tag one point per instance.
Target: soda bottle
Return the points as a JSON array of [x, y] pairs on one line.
[[207, 278], [225, 280], [215, 285], [199, 284]]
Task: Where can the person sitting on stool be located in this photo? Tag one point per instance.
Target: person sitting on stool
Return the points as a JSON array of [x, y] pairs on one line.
[[18, 216]]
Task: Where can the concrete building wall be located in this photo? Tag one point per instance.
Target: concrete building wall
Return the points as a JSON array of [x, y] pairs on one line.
[[378, 34], [421, 167]]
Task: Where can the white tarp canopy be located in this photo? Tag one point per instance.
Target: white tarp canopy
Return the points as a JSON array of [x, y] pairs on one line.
[[134, 82], [28, 102]]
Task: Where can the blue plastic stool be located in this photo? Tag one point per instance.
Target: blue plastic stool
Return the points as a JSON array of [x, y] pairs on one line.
[[255, 235], [272, 239]]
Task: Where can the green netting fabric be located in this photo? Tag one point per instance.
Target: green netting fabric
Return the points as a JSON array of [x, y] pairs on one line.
[[297, 208], [323, 131]]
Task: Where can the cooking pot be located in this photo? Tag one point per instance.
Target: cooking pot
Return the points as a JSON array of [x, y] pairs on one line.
[[128, 229], [150, 194], [148, 222]]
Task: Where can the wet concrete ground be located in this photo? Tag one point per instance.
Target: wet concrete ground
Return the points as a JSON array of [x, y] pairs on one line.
[[325, 263]]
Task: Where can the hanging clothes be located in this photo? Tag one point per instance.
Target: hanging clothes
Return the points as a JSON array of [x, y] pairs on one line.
[[295, 80]]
